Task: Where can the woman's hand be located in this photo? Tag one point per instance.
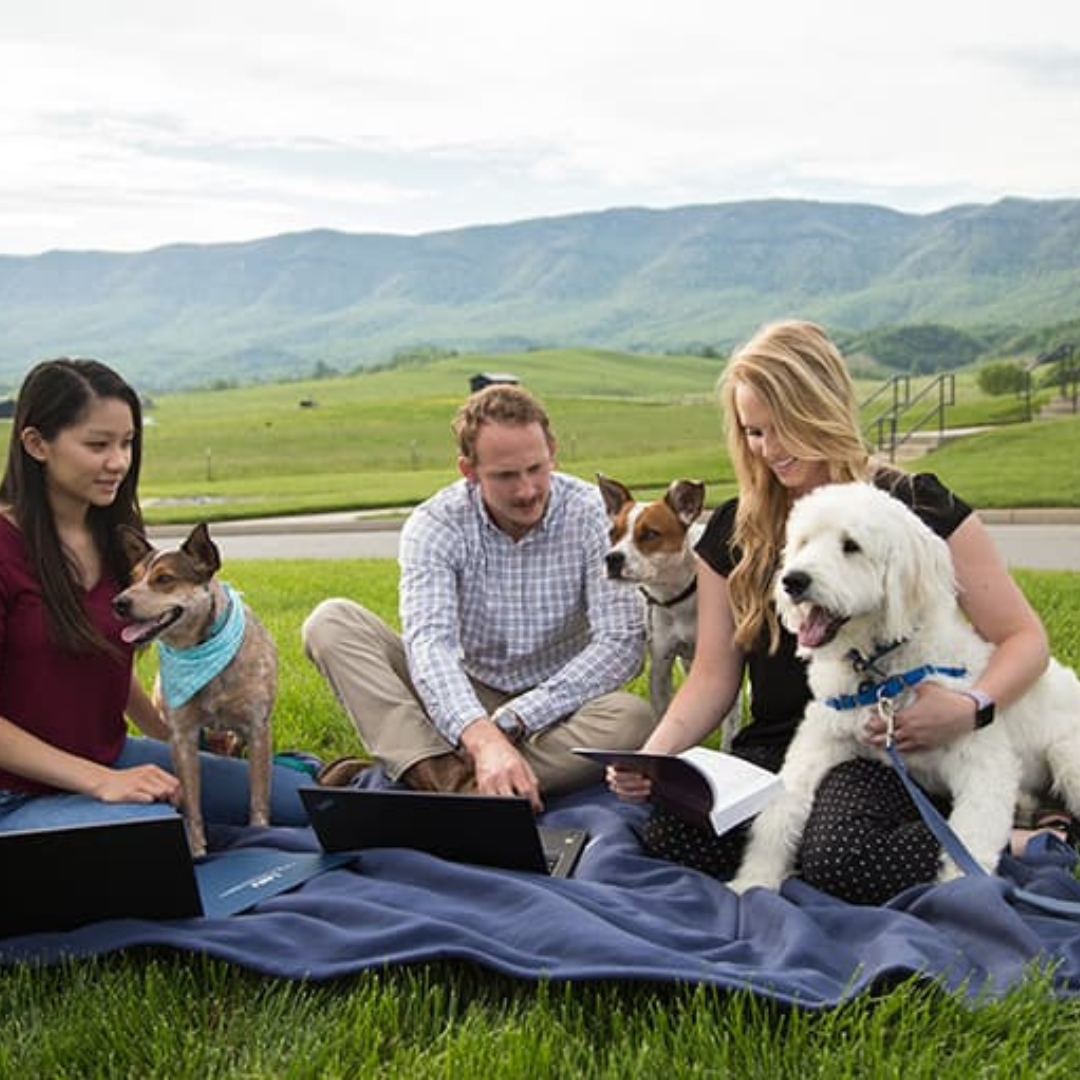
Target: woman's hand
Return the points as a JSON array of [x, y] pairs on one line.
[[932, 716], [629, 785], [139, 784]]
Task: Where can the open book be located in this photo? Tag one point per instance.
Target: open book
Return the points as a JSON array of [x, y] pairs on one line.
[[702, 786]]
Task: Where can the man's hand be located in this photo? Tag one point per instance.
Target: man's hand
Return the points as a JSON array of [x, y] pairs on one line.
[[500, 769]]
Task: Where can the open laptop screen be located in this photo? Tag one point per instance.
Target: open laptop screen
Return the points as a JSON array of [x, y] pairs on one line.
[[489, 830]]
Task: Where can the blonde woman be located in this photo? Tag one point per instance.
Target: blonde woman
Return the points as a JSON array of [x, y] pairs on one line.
[[791, 423]]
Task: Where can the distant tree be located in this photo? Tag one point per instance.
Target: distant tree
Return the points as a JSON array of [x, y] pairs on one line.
[[323, 370], [920, 349], [419, 355], [1004, 377]]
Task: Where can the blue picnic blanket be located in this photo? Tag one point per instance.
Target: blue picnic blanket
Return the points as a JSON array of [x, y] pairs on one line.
[[622, 916]]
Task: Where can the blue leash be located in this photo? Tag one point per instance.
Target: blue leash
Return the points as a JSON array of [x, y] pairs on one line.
[[957, 850], [883, 694]]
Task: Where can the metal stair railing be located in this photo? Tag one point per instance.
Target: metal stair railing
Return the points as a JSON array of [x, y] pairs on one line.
[[883, 424], [886, 437], [1069, 380]]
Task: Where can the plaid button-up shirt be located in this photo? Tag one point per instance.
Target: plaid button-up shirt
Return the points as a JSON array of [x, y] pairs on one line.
[[537, 619]]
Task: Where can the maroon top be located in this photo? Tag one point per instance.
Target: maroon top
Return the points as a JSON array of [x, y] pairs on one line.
[[72, 700]]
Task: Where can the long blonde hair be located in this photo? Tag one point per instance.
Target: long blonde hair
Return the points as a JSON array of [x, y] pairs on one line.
[[800, 377]]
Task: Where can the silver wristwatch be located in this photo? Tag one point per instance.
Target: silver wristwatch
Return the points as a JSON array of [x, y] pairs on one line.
[[509, 723]]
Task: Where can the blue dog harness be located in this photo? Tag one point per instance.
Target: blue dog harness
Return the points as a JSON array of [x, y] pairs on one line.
[[871, 693], [184, 672]]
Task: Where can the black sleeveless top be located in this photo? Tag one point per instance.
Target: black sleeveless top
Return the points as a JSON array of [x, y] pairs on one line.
[[779, 691]]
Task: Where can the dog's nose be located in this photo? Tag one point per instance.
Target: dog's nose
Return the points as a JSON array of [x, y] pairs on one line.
[[122, 606], [795, 583], [614, 561]]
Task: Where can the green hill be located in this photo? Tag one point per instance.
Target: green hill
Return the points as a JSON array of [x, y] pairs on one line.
[[629, 279]]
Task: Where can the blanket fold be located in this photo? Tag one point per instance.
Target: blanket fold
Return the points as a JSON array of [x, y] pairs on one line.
[[622, 916]]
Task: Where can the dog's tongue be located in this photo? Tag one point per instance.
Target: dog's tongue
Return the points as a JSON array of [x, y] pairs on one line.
[[133, 633], [818, 628], [137, 632]]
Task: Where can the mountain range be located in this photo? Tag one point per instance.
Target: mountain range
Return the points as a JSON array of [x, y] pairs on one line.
[[635, 279]]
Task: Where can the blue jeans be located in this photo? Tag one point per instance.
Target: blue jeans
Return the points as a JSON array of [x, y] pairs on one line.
[[224, 795]]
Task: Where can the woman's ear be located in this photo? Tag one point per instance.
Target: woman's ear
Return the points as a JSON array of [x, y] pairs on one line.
[[33, 443]]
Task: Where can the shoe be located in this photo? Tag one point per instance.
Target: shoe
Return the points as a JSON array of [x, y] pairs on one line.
[[342, 771], [222, 741], [1061, 822], [444, 772]]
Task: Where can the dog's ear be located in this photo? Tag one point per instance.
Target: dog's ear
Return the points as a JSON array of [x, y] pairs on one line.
[[134, 545], [616, 495], [919, 577], [202, 550], [686, 498]]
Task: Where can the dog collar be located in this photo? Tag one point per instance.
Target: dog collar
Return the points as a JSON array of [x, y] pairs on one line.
[[184, 672], [684, 595], [892, 687], [869, 663]]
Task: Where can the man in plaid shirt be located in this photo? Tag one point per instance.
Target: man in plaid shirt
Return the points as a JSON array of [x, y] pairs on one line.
[[514, 642]]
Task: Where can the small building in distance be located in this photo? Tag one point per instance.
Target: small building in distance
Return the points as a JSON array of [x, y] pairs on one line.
[[490, 378]]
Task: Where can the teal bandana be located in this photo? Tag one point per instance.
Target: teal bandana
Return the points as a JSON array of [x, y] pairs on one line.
[[184, 672]]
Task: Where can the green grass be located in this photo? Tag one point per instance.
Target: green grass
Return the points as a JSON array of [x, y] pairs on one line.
[[382, 439], [1018, 465], [163, 1016]]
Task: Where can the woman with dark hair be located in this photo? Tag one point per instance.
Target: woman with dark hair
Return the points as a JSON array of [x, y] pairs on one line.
[[67, 679]]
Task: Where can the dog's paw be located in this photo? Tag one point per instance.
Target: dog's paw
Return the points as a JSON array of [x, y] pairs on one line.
[[949, 871], [744, 882]]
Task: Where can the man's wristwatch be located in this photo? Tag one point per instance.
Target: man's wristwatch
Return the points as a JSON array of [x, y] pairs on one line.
[[984, 707], [509, 723]]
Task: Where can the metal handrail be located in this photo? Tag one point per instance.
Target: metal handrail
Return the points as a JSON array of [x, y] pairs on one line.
[[1069, 381], [886, 423]]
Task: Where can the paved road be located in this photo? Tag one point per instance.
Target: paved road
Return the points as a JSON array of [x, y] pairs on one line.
[[1036, 540]]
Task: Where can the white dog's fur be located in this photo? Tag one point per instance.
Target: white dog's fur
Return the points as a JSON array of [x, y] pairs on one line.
[[861, 572]]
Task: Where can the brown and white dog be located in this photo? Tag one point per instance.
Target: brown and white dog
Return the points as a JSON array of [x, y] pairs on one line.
[[218, 663], [652, 546]]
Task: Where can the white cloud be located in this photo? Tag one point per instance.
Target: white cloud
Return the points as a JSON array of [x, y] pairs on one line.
[[131, 124]]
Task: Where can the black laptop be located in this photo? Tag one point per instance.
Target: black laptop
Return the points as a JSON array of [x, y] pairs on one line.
[[489, 830], [141, 868]]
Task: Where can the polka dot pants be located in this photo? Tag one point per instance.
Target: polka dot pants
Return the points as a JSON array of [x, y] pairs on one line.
[[864, 841]]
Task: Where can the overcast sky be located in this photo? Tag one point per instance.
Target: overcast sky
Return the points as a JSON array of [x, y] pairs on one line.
[[128, 124]]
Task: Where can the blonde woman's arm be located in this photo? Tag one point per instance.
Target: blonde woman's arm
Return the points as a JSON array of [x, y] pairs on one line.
[[1001, 614], [707, 693]]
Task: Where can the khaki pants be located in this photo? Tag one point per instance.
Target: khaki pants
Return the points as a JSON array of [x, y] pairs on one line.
[[363, 660]]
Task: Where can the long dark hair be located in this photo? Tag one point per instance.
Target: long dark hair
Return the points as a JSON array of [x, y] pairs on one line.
[[57, 394]]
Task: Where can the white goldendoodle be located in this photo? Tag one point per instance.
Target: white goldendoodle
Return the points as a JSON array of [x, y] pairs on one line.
[[869, 590]]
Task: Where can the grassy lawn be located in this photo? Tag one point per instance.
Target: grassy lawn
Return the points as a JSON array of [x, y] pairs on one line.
[[154, 1013], [382, 439]]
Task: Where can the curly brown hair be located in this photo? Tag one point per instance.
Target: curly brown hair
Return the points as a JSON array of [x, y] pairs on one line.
[[500, 403]]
